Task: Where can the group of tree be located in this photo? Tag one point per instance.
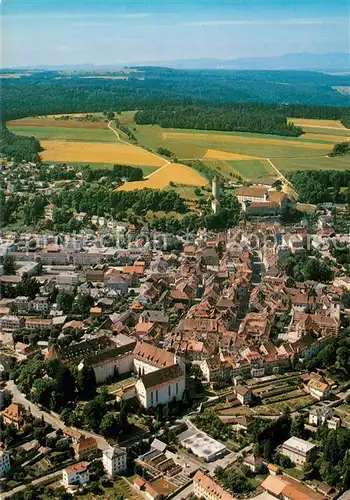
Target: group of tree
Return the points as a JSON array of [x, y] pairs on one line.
[[268, 434], [333, 356], [131, 136], [97, 199], [100, 414], [210, 423], [322, 186], [341, 149], [341, 252], [233, 481], [52, 384], [79, 303], [165, 152], [309, 94], [28, 286], [302, 267], [115, 174], [332, 465], [242, 118], [18, 147]]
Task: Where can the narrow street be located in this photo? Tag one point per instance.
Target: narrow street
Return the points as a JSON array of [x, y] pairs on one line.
[[50, 418]]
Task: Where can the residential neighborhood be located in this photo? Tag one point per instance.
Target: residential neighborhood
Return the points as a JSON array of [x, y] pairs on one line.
[[210, 364]]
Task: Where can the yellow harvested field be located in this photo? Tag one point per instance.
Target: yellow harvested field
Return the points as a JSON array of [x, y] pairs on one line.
[[215, 154], [175, 172], [309, 122], [237, 139], [326, 137], [98, 152]]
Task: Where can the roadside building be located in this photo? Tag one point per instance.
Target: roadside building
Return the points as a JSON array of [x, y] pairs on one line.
[[114, 460], [205, 487], [15, 414], [76, 475]]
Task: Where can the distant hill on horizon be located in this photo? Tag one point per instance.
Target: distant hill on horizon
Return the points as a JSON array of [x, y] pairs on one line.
[[338, 62]]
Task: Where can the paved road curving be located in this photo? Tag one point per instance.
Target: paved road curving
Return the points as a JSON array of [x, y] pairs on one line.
[[50, 418]]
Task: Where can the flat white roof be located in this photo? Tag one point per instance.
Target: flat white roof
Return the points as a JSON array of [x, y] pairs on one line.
[[298, 444], [203, 445]]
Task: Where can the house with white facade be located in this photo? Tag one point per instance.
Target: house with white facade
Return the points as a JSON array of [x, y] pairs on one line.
[[297, 449], [114, 460], [160, 387], [76, 475], [323, 414]]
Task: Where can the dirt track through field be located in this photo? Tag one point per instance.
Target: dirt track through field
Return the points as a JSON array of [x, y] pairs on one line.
[[165, 162]]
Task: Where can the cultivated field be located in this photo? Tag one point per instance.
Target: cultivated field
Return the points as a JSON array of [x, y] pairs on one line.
[[173, 172], [61, 133], [227, 153], [51, 122], [214, 154], [310, 122], [90, 152], [286, 165]]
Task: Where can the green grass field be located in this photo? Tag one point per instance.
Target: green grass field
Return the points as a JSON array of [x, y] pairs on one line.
[[65, 134], [252, 169], [287, 165], [192, 144], [287, 153]]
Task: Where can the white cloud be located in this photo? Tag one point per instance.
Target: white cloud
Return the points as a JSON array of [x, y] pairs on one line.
[[69, 16], [257, 22]]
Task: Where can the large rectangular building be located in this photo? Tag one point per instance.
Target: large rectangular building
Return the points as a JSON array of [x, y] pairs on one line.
[[298, 450], [160, 387], [202, 445]]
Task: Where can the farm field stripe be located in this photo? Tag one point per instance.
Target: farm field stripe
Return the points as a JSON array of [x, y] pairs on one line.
[[216, 154], [246, 140], [99, 152], [138, 147]]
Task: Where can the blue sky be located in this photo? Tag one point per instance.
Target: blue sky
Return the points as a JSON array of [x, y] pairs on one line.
[[37, 32]]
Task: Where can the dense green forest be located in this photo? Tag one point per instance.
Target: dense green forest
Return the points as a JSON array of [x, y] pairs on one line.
[[322, 186], [99, 200], [18, 147], [240, 117], [307, 94]]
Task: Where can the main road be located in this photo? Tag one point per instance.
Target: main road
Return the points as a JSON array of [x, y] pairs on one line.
[[50, 418]]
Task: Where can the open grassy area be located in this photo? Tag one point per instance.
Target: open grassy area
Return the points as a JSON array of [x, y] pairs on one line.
[[253, 169], [226, 153], [188, 192], [286, 165], [65, 134], [120, 486]]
